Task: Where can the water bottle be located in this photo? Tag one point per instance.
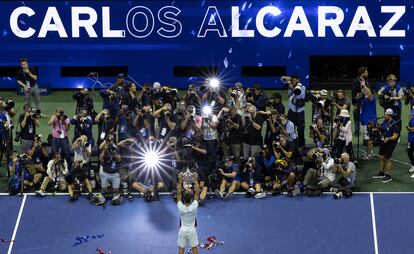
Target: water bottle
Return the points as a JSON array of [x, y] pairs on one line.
[[92, 178], [149, 183], [251, 181]]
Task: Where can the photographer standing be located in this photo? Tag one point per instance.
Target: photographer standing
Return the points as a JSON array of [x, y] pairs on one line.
[[28, 124], [84, 102], [288, 129], [78, 177], [210, 137], [358, 85], [343, 140], [391, 132], [252, 132], [60, 128], [191, 97], [109, 171], [83, 126], [368, 110], [341, 102], [106, 125], [130, 98], [391, 95], [320, 137], [125, 122], [230, 129], [191, 123], [27, 79], [410, 145], [167, 121], [296, 103], [57, 170], [409, 96]]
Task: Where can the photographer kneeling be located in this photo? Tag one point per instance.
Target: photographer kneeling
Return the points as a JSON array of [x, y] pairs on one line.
[[78, 180], [322, 177], [252, 180], [230, 179], [346, 181], [57, 170]]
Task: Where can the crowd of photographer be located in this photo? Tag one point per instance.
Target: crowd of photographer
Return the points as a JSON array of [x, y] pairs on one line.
[[236, 139]]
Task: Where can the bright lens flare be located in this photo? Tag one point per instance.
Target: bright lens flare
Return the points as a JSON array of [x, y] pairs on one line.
[[207, 110], [151, 159], [214, 83]]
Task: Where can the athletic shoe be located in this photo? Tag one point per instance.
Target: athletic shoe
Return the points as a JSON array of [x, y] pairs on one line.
[[411, 170], [367, 156], [218, 194], [379, 175], [260, 195], [387, 178], [40, 193], [229, 196], [73, 199], [412, 176], [90, 195]]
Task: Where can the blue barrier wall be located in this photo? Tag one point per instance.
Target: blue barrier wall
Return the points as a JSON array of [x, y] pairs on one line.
[[153, 56]]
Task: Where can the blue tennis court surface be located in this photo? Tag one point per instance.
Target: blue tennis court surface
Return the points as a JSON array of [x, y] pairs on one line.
[[272, 225]]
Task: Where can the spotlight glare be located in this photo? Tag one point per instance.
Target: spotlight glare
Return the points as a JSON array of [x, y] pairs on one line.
[[214, 83], [207, 110], [151, 159]]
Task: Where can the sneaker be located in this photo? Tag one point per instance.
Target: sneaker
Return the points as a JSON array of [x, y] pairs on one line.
[[260, 195], [387, 178], [367, 156], [73, 198], [229, 196], [40, 193], [90, 195], [218, 194], [411, 170], [412, 176], [379, 175]]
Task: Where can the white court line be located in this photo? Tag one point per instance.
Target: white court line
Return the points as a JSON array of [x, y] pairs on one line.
[[374, 224], [17, 224]]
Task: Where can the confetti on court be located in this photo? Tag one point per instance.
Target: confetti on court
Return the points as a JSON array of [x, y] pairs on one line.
[[84, 239]]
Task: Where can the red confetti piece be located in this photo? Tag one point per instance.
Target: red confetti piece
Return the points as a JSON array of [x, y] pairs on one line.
[[100, 251], [6, 241]]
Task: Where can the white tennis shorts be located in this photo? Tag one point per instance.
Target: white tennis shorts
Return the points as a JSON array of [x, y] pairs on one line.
[[187, 235]]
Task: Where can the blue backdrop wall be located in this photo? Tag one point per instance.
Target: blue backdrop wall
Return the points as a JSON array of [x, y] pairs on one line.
[[153, 57]]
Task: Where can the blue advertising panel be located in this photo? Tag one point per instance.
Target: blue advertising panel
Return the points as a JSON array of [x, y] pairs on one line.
[[151, 39]]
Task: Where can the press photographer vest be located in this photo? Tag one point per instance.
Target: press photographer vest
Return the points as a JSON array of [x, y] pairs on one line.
[[394, 93]]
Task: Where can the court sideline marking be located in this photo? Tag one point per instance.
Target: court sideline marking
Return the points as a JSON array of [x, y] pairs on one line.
[[17, 224], [374, 224]]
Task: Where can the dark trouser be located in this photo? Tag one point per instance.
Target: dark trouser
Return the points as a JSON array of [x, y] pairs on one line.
[[357, 116], [211, 146], [410, 152], [62, 145], [298, 118], [340, 147]]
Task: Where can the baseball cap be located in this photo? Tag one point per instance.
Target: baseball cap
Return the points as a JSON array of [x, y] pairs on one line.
[[389, 112]]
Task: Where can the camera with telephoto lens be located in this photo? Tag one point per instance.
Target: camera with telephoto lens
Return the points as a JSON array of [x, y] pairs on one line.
[[313, 127], [62, 115], [187, 142], [318, 156], [84, 144], [385, 99], [337, 161], [35, 113], [248, 117], [113, 149], [22, 158], [9, 105], [375, 132]]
